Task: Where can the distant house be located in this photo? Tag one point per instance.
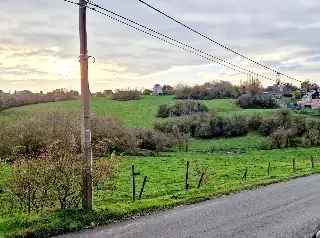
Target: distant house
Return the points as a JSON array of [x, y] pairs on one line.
[[107, 93], [274, 91], [310, 100], [157, 90]]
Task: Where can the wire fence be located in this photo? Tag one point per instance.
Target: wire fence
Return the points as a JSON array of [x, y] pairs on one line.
[[220, 178]]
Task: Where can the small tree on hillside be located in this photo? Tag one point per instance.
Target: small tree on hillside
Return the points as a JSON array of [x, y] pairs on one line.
[[252, 86]]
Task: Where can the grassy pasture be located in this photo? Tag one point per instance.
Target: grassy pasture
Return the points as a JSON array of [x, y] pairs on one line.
[[225, 145], [165, 187], [136, 114]]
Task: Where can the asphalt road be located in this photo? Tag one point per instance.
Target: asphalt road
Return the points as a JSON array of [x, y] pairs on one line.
[[289, 209]]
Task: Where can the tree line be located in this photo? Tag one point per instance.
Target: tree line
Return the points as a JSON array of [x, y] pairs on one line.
[[25, 97]]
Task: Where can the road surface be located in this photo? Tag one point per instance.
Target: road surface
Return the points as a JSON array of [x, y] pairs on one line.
[[290, 209]]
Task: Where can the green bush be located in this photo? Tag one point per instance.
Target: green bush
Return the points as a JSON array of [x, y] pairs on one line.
[[206, 126], [147, 92], [255, 121], [311, 136], [235, 126], [182, 108], [283, 128]]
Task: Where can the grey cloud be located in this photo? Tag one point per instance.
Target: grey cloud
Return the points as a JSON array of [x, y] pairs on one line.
[[252, 27], [20, 70]]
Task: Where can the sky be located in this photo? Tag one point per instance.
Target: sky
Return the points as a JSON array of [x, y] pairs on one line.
[[39, 44]]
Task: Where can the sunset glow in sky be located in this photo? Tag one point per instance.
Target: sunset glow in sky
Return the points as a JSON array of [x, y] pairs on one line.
[[39, 43]]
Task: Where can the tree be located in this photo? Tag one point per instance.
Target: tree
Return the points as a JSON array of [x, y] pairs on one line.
[[252, 86], [167, 90], [297, 94], [147, 92], [306, 86]]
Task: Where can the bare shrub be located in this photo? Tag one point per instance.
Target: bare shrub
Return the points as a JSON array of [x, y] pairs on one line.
[[152, 140], [105, 171], [55, 177], [30, 183], [26, 98], [36, 133], [283, 138], [183, 92], [109, 135], [31, 135], [207, 91]]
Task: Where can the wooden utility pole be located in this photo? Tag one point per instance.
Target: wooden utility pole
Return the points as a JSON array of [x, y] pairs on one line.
[[85, 110]]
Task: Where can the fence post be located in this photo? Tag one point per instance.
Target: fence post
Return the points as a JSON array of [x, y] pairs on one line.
[[294, 165], [312, 162], [200, 181], [134, 174], [245, 174], [187, 176], [187, 147], [143, 184], [269, 168]]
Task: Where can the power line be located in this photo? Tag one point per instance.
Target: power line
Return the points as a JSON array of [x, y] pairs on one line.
[[216, 42], [215, 58], [154, 36], [181, 45]]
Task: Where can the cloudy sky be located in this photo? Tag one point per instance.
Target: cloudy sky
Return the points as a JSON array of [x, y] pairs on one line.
[[39, 42]]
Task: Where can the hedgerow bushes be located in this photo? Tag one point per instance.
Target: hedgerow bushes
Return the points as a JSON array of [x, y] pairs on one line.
[[17, 100], [207, 91], [206, 126], [181, 108], [126, 95], [45, 154], [283, 128], [257, 101], [34, 134]]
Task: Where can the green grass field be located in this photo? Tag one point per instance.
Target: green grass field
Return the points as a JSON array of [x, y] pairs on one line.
[[165, 186], [225, 161], [225, 145], [137, 114]]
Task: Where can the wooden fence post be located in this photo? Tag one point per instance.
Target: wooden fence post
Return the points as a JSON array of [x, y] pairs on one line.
[[143, 184], [187, 176], [294, 165], [269, 168], [200, 180], [245, 174], [312, 162], [134, 174]]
